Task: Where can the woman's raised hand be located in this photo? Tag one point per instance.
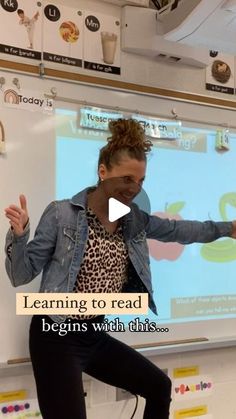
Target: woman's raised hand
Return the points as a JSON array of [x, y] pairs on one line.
[[18, 216]]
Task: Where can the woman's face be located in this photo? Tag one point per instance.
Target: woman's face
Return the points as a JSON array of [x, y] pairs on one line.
[[124, 181]]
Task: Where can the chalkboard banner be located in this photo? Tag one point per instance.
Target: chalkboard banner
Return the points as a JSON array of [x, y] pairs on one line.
[[101, 67], [20, 52], [220, 89], [47, 56]]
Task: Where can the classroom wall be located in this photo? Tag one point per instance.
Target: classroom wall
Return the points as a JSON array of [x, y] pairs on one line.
[[218, 364], [148, 71], [139, 69]]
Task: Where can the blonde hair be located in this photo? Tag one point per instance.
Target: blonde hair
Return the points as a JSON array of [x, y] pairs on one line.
[[127, 138]]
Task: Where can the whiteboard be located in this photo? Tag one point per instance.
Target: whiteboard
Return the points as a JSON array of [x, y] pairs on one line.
[[29, 167]]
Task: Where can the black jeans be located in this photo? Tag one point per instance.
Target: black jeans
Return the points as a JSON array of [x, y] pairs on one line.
[[58, 363]]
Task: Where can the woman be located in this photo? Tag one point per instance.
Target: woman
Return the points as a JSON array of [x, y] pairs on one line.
[[80, 250]]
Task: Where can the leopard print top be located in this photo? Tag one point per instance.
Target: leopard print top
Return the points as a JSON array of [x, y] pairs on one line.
[[105, 263]]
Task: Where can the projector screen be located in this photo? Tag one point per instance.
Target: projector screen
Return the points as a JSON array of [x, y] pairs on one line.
[[186, 178]]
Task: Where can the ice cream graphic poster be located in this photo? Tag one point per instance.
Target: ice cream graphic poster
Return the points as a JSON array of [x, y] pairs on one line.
[[63, 35], [101, 43], [21, 28]]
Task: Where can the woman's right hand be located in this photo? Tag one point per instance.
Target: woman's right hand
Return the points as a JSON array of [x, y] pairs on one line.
[[18, 216]]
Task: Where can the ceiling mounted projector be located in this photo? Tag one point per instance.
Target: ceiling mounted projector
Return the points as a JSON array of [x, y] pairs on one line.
[[141, 34], [209, 24]]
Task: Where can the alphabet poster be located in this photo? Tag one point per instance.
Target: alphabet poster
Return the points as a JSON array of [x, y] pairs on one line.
[[102, 43], [63, 35], [21, 28], [60, 34], [220, 73]]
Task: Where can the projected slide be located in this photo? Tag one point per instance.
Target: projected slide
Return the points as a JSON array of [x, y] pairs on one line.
[[186, 179]]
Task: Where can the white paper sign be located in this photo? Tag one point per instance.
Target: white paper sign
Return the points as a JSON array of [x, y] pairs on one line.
[[158, 128], [27, 99], [93, 118]]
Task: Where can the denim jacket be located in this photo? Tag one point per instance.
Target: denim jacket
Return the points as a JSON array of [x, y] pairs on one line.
[[60, 239]]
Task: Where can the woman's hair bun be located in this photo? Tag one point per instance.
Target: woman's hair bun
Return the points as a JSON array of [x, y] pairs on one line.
[[127, 133], [122, 127], [127, 136]]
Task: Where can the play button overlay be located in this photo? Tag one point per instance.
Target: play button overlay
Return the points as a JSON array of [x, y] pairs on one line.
[[116, 209]]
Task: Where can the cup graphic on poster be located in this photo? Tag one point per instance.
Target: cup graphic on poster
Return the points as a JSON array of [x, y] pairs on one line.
[[109, 42]]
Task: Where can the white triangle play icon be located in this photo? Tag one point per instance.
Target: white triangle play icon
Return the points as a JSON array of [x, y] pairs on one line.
[[116, 209]]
